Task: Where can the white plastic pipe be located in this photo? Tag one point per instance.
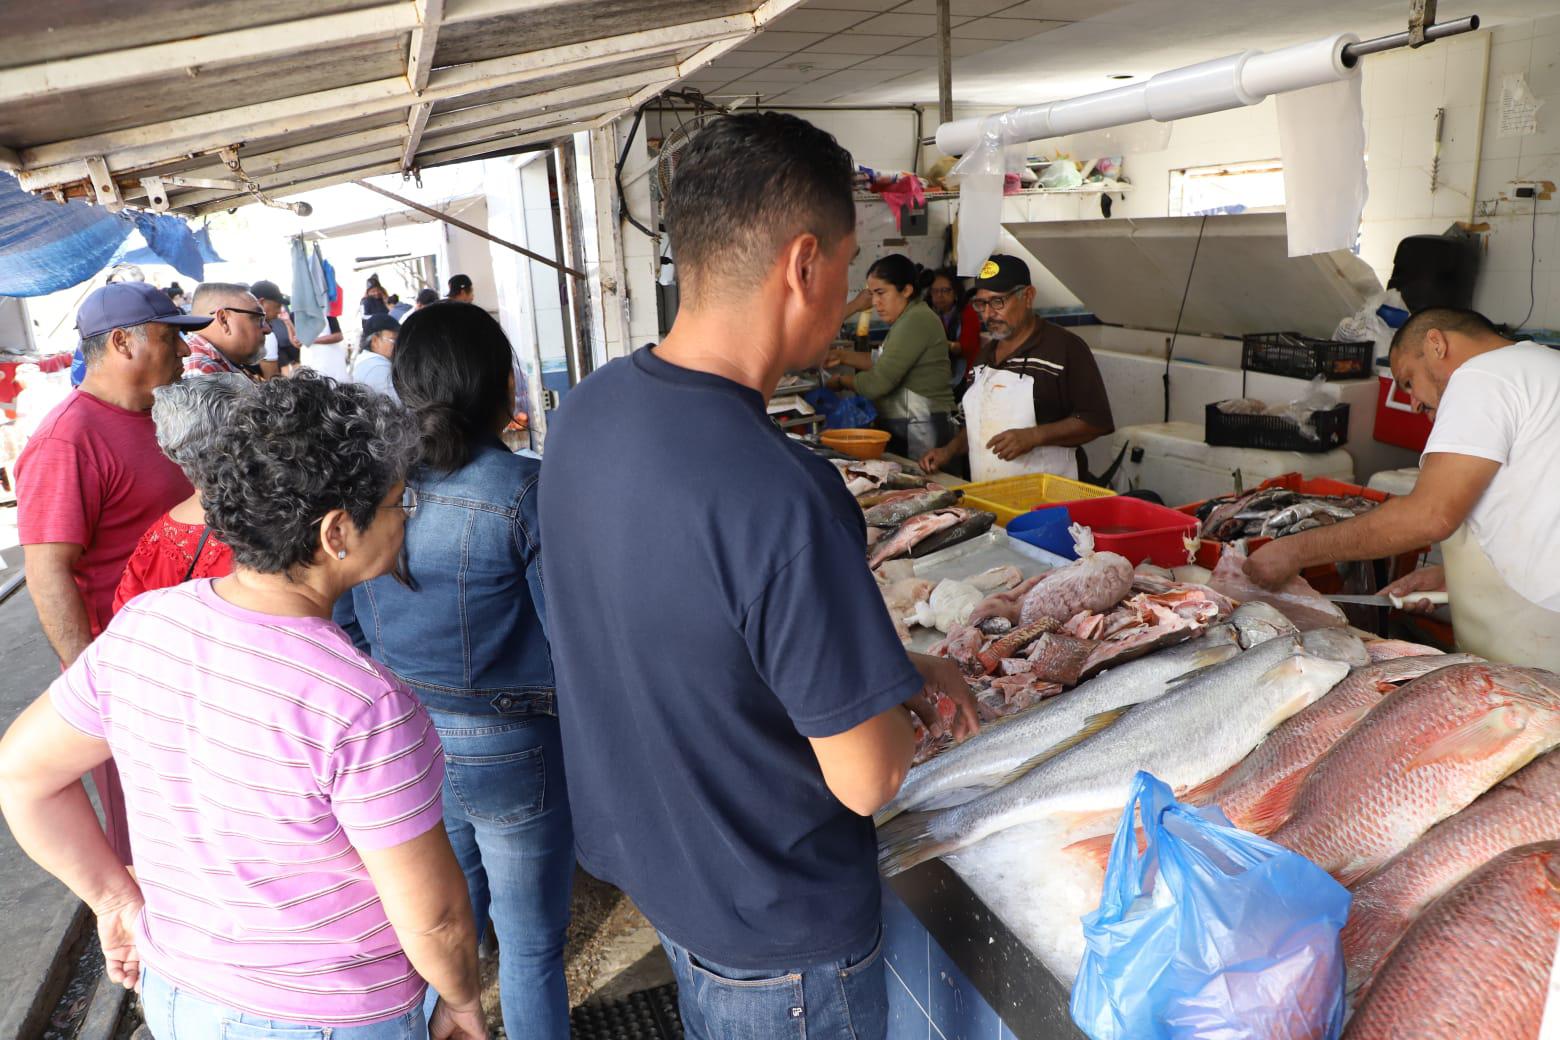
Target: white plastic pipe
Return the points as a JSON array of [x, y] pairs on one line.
[[1211, 86]]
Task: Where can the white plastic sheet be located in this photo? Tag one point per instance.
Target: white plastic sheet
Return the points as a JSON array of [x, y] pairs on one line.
[[1321, 134]]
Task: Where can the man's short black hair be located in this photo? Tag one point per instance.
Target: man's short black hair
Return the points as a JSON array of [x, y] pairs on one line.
[[747, 185], [1446, 319]]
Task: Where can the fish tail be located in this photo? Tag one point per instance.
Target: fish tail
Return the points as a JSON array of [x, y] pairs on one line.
[[909, 840]]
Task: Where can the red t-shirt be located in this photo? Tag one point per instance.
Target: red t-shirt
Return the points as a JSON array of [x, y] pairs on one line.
[[92, 475]]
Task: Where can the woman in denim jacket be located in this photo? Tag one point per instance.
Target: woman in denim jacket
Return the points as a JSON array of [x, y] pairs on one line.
[[465, 633]]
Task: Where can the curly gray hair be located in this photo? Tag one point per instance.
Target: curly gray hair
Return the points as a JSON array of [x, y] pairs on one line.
[[189, 414], [291, 451]]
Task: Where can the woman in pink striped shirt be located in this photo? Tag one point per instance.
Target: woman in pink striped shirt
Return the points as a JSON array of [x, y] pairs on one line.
[[293, 878]]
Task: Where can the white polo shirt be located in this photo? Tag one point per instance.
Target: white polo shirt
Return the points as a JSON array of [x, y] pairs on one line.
[[1505, 406]]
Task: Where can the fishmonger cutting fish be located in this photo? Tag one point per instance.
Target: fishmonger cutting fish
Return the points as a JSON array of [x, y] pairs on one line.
[[1488, 490]]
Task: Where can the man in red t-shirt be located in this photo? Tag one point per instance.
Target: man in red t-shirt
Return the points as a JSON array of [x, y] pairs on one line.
[[92, 479]]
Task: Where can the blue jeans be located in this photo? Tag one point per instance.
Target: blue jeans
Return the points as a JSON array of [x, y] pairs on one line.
[[507, 812], [174, 1014], [840, 1000]]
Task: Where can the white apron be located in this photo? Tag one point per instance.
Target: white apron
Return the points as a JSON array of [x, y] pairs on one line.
[[999, 400], [1489, 617]]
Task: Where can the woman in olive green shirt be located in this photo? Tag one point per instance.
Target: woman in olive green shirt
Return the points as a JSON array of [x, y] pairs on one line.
[[909, 380]]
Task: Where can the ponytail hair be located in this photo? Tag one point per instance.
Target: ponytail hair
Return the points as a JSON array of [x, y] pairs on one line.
[[901, 272], [452, 365]]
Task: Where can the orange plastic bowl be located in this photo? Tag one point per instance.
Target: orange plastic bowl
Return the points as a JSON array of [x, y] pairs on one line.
[[863, 444]]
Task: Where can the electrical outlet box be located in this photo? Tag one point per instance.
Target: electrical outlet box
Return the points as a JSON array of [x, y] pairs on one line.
[[1526, 191]]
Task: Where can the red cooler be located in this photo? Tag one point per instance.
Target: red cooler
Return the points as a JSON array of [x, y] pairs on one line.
[[1396, 421]]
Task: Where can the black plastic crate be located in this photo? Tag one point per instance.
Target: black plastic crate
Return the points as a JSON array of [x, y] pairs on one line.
[[1276, 433], [1291, 354]]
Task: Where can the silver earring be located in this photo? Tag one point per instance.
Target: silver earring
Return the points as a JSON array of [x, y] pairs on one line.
[[341, 554]]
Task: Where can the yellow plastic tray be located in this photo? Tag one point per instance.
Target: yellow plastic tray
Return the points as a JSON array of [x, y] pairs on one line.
[[1015, 496]]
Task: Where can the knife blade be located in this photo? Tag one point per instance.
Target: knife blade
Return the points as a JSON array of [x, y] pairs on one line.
[[1395, 602]]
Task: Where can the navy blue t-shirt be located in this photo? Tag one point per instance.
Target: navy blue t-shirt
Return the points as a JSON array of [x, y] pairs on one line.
[[710, 608]]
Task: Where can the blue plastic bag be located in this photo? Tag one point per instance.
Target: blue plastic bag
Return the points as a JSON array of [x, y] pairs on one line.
[[1210, 932], [853, 412]]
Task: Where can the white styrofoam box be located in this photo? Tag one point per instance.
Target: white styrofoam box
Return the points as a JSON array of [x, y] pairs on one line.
[[1395, 481], [1182, 469]]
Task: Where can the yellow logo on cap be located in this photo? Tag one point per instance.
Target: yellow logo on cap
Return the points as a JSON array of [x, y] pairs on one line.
[[989, 269]]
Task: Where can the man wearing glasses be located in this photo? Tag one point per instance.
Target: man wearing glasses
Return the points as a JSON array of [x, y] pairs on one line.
[[236, 336], [1035, 395]]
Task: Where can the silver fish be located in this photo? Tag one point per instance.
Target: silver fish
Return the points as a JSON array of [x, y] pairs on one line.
[[1257, 622], [1188, 738], [996, 755], [887, 514]]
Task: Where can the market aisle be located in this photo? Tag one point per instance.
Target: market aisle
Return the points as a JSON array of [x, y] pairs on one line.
[[36, 911]]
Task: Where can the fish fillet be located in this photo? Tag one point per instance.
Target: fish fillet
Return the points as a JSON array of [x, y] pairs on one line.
[[1476, 964]]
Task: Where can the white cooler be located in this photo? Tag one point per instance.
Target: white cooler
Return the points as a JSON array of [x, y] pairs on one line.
[[1172, 460]]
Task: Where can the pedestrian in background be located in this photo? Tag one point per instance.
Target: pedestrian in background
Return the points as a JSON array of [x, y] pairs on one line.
[[189, 416], [234, 337], [371, 363], [466, 635]]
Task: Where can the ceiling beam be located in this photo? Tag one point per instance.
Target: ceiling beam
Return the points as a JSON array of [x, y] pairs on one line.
[[329, 181], [9, 160], [35, 82], [264, 165], [766, 13], [501, 111], [145, 146], [537, 137], [372, 169], [419, 66], [468, 142]]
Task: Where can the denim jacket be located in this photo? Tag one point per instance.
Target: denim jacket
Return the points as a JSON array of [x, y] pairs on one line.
[[469, 638]]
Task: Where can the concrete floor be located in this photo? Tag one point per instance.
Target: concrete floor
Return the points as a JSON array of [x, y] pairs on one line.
[[38, 915]]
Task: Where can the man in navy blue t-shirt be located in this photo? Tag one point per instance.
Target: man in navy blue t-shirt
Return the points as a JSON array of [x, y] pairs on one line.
[[731, 690]]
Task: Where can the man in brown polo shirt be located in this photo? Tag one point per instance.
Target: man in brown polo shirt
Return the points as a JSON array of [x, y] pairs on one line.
[[1035, 396]]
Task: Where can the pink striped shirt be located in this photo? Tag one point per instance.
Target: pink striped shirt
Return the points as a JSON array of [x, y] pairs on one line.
[[257, 754]]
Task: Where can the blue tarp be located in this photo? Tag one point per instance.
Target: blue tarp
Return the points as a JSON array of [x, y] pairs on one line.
[[46, 246], [144, 254]]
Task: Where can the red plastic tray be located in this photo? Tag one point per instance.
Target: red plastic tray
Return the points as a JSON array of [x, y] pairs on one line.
[[1135, 529], [1324, 578]]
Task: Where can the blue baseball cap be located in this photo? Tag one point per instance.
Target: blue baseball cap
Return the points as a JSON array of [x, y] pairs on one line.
[[120, 305]]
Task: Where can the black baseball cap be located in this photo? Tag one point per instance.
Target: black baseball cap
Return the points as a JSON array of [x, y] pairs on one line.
[[459, 283], [1002, 273], [380, 323], [267, 290], [120, 305]]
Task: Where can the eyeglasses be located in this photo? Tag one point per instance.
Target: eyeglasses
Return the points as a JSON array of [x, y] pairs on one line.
[[408, 503], [993, 303], [259, 316]]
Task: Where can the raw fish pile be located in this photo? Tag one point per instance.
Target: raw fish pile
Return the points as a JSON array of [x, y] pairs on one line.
[[866, 476], [1274, 513], [1422, 780], [1022, 664]]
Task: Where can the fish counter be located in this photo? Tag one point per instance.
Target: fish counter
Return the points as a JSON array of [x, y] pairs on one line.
[[1425, 783]]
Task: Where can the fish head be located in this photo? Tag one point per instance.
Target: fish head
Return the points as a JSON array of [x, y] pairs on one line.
[[1336, 644], [1297, 682]]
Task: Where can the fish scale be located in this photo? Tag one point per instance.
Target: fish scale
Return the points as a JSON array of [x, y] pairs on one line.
[[1427, 751], [1522, 809], [1476, 964], [1258, 794]]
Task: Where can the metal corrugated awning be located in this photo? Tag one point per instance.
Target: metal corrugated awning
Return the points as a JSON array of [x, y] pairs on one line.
[[128, 105]]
